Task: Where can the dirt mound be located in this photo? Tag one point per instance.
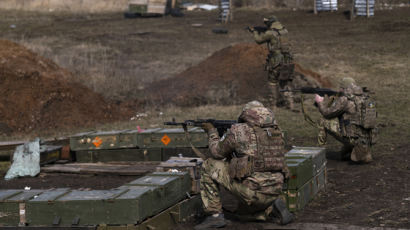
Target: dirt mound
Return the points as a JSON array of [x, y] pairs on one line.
[[36, 94], [230, 76]]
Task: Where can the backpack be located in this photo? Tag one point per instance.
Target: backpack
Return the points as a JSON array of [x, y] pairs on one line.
[[368, 112]]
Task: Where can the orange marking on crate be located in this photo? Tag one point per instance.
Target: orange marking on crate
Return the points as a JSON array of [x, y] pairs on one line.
[[97, 142], [165, 139]]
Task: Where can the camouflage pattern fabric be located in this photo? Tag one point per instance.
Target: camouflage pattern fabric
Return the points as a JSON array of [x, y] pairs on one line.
[[255, 201], [256, 190], [279, 55], [340, 114]]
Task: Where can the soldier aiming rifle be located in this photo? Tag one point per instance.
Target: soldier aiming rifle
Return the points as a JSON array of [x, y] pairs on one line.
[[221, 126], [249, 161], [279, 62], [349, 116], [259, 29]]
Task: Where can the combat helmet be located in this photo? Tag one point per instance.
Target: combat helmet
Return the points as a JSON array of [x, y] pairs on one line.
[[346, 82], [256, 114], [273, 23], [252, 104]]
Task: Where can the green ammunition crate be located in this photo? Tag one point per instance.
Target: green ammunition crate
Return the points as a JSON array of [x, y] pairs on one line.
[[9, 212], [184, 178], [171, 138], [297, 199], [300, 168], [150, 138], [107, 155], [103, 140], [169, 188], [49, 154], [140, 199], [192, 165], [181, 212], [40, 209], [318, 156], [168, 219], [13, 206], [320, 180], [167, 153], [82, 208], [132, 154]]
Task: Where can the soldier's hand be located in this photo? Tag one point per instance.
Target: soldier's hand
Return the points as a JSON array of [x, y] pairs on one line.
[[207, 127], [318, 99]]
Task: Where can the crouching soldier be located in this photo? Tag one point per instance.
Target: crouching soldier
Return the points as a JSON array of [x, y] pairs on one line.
[[351, 119], [249, 162]]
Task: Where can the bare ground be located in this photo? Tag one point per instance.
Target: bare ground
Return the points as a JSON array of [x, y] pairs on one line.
[[115, 57]]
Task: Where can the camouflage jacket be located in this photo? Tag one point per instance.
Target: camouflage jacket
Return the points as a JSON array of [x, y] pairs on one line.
[[345, 109], [241, 140], [276, 40]]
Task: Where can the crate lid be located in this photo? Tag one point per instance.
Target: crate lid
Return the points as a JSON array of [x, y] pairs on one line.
[[50, 195], [25, 195], [91, 195]]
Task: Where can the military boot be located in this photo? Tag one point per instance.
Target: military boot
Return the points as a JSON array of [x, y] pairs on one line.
[[213, 221], [361, 154], [281, 212]]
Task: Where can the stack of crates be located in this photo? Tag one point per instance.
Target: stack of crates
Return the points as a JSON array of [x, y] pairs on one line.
[[307, 166], [133, 145], [131, 204], [191, 165]]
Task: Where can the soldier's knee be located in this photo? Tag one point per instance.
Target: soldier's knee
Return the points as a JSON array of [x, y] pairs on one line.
[[207, 166]]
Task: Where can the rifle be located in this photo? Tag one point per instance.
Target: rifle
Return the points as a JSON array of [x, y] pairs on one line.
[[220, 125], [311, 90], [260, 29]]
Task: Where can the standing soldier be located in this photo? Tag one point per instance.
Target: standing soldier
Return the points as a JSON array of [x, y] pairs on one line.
[[279, 62], [249, 162], [351, 119]]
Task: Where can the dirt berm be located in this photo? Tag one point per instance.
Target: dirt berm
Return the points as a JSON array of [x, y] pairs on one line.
[[232, 75], [36, 94]]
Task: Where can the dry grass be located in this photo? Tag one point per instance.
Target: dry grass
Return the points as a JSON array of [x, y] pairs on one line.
[[116, 57]]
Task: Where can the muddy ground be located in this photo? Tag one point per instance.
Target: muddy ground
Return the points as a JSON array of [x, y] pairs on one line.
[[115, 57]]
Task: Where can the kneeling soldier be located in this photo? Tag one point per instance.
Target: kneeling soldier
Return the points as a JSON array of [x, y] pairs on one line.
[[249, 162], [351, 119]]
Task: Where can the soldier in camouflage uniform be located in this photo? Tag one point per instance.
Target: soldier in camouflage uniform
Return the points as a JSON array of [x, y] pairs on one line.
[[279, 62], [344, 120], [249, 162]]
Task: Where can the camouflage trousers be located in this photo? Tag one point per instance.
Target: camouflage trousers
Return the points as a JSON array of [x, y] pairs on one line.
[[280, 99], [253, 204], [358, 149]]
